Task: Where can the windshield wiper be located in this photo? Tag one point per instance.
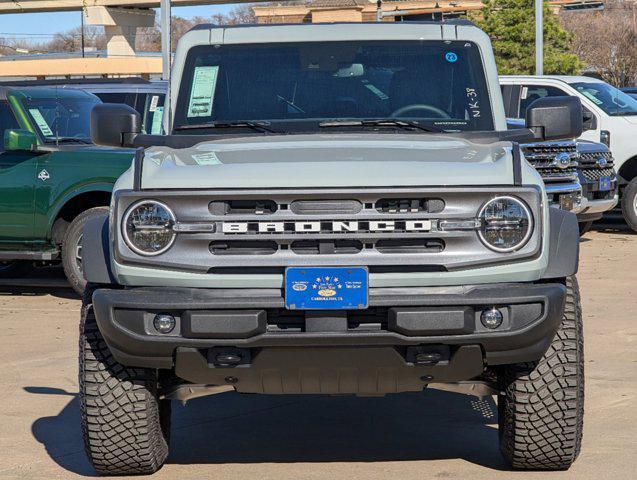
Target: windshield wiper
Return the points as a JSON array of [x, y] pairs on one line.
[[258, 126], [84, 141], [381, 122]]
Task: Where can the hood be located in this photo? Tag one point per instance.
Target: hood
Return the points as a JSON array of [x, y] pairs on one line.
[[84, 147], [307, 161]]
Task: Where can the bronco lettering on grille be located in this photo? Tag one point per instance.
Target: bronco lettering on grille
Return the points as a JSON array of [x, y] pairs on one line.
[[360, 226]]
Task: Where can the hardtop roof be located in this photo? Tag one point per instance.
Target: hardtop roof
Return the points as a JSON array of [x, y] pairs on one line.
[[41, 92], [212, 26], [561, 78]]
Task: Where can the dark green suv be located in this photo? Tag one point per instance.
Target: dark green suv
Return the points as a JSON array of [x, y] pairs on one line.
[[52, 177]]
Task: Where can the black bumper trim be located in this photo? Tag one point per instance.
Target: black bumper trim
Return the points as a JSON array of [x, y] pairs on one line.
[[133, 345]]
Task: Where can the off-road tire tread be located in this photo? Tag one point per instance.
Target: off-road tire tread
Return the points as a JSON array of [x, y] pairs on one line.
[[68, 246], [542, 404], [124, 425]]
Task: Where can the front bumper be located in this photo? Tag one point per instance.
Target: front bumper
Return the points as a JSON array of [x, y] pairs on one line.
[[594, 209], [378, 350]]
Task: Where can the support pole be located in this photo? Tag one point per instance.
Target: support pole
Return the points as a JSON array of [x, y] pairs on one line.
[[539, 37], [165, 38]]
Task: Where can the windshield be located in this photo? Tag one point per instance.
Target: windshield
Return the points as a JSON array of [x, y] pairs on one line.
[[62, 118], [438, 84], [610, 99]]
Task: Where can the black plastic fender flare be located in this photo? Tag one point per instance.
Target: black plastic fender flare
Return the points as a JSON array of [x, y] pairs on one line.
[[96, 252], [563, 244]]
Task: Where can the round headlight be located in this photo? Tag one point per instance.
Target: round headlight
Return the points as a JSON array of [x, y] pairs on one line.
[[148, 227], [506, 224]]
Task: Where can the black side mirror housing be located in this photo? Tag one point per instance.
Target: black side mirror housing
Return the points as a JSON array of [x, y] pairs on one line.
[[590, 121], [115, 125], [555, 118]]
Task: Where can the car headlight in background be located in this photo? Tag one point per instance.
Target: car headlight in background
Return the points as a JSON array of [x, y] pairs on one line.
[[148, 227], [506, 224]]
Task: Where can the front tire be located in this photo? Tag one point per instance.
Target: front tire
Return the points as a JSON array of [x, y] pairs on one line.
[[72, 248], [629, 204], [541, 407], [585, 227], [124, 423]]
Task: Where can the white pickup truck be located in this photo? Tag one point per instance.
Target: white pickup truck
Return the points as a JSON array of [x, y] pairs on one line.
[[610, 118]]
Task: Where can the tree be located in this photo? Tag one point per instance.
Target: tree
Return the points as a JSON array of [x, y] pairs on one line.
[[606, 41], [149, 39], [511, 26]]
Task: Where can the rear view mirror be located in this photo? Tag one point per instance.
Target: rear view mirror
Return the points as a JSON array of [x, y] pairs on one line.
[[351, 70], [115, 125], [19, 140], [555, 118]]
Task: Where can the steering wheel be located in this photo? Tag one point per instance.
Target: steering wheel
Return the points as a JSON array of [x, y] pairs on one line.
[[402, 111]]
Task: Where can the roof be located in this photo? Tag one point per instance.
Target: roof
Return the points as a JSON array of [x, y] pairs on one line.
[[338, 3], [450, 21], [39, 92], [74, 81], [95, 86], [561, 78]]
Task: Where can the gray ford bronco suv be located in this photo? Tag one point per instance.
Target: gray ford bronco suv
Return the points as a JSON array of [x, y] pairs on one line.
[[337, 209]]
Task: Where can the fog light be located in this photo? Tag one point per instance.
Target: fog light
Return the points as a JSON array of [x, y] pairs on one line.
[[491, 318], [164, 323]]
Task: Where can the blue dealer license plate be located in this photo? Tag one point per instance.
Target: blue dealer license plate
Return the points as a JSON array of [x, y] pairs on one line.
[[326, 288], [605, 184]]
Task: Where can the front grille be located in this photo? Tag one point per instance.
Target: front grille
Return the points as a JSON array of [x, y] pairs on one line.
[[596, 174], [554, 175], [543, 158], [591, 160], [548, 151], [325, 247], [388, 230]]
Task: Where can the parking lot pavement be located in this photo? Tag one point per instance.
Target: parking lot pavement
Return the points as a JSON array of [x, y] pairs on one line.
[[429, 435]]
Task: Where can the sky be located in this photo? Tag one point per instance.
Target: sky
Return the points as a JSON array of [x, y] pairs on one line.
[[41, 26]]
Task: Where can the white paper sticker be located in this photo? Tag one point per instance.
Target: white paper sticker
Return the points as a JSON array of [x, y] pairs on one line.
[[208, 158], [156, 126], [40, 120], [591, 96], [153, 103], [202, 92]]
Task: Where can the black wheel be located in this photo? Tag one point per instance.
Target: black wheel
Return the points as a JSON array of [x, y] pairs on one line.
[[541, 407], [585, 227], [124, 424], [629, 204], [72, 248], [14, 268]]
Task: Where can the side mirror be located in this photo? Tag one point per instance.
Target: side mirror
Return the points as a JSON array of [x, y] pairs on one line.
[[115, 125], [19, 140], [590, 121], [555, 118]]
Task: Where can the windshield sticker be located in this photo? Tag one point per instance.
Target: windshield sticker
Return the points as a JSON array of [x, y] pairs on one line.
[[208, 158], [451, 57], [202, 93], [158, 116], [154, 101], [591, 96], [474, 102], [41, 122]]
